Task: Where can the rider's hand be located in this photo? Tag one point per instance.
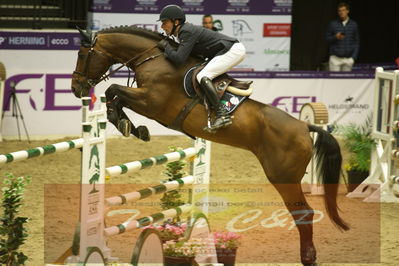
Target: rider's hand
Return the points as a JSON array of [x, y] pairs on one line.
[[162, 44]]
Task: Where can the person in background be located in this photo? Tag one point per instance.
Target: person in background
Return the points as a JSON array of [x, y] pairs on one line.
[[207, 22], [343, 38]]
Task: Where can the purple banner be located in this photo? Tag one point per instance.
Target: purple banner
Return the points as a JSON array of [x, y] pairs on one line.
[[225, 7], [285, 75], [305, 74], [39, 40]]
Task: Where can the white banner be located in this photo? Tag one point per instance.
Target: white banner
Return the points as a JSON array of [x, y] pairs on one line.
[[347, 100], [43, 79], [266, 37]]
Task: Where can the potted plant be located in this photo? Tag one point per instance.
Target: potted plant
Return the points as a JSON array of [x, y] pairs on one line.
[[182, 252], [226, 244], [360, 143]]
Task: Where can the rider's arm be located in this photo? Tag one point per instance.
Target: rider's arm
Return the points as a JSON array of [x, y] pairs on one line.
[[187, 42]]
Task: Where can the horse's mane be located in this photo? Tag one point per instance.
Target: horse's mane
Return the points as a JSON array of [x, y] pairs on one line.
[[156, 36], [153, 35]]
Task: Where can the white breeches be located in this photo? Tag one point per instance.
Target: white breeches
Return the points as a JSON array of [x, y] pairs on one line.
[[222, 63]]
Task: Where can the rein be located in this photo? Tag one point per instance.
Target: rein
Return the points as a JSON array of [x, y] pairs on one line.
[[125, 64], [94, 82]]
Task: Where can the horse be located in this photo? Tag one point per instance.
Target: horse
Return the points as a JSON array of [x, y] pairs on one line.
[[282, 143]]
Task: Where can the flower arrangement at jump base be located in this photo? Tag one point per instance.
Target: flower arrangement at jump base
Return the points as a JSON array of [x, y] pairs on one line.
[[226, 244], [168, 231], [183, 252], [183, 248]]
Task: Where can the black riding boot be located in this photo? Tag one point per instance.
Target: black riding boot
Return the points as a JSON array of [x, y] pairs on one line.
[[222, 119]]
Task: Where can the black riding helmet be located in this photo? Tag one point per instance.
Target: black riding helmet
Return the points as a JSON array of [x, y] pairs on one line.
[[172, 12]]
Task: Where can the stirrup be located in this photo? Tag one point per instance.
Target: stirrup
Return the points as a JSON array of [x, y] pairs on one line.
[[225, 122], [208, 127], [125, 127]]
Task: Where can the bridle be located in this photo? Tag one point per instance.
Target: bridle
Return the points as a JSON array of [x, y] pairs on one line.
[[92, 51]]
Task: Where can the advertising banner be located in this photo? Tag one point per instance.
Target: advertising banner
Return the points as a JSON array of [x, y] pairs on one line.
[[264, 27], [348, 100], [42, 80], [240, 7]]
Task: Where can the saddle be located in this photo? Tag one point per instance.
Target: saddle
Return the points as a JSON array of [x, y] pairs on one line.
[[231, 93], [221, 83]]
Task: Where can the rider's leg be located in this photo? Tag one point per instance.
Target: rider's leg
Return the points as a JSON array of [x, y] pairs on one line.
[[219, 65], [223, 119]]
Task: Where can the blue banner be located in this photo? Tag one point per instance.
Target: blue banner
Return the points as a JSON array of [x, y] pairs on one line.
[[40, 40]]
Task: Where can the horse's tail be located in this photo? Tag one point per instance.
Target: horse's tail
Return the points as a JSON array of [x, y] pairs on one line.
[[329, 160]]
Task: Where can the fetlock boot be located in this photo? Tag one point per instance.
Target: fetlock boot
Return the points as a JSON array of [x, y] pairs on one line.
[[222, 119]]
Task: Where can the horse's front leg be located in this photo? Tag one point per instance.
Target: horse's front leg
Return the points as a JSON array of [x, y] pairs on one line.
[[118, 117]]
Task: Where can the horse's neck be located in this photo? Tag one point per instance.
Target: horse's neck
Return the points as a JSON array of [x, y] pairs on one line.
[[124, 46]]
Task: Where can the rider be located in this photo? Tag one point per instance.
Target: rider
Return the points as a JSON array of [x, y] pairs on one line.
[[223, 53]]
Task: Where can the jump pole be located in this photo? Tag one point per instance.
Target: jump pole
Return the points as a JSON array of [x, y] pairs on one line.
[[92, 230]]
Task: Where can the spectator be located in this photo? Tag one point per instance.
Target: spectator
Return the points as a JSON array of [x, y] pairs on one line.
[[207, 22], [343, 38]]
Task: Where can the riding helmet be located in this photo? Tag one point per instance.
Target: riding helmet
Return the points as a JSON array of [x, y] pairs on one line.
[[172, 12]]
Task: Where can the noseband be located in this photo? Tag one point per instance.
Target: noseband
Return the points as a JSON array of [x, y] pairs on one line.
[[94, 82]]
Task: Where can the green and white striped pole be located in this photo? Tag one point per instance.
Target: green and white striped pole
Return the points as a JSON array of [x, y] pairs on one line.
[[40, 151], [148, 220], [136, 166], [147, 192]]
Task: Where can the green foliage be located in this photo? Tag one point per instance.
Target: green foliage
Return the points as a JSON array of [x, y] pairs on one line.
[[12, 231], [359, 142], [174, 170], [185, 248]]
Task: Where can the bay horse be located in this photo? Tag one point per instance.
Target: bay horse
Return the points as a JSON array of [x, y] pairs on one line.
[[281, 143]]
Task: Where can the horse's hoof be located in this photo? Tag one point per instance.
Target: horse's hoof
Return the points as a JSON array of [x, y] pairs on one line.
[[308, 256], [143, 133], [125, 126]]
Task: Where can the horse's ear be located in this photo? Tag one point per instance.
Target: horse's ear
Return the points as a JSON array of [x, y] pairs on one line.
[[90, 34], [86, 38]]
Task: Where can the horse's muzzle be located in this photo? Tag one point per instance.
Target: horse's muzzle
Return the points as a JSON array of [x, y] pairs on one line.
[[76, 92]]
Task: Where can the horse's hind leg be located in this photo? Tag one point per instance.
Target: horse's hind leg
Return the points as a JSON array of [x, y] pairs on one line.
[[285, 170], [118, 117], [302, 214]]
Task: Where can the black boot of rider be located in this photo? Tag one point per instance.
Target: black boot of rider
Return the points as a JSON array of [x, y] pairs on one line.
[[222, 119]]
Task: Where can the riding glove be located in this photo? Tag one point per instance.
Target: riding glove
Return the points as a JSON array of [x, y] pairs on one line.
[[162, 44]]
